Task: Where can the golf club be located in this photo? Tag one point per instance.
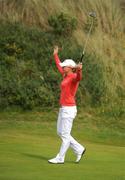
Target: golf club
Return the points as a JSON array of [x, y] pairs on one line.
[[92, 15]]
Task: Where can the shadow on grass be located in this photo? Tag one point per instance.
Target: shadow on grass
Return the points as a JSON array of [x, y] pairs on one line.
[[40, 157], [36, 156]]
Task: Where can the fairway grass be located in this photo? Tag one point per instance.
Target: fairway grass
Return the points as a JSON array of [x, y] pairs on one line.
[[25, 147], [24, 157]]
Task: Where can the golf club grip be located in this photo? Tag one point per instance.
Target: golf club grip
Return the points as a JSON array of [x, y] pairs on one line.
[[82, 58]]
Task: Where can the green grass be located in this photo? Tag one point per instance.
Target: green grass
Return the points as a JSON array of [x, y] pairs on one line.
[[28, 140]]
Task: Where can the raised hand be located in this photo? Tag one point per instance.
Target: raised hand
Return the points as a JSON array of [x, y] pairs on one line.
[[56, 49]]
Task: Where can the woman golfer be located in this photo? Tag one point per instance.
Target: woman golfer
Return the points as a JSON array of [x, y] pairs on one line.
[[68, 109]]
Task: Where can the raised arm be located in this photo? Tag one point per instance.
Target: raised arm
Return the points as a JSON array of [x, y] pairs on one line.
[[78, 76], [57, 60]]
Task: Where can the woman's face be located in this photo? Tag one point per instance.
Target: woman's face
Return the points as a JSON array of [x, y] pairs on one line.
[[67, 69]]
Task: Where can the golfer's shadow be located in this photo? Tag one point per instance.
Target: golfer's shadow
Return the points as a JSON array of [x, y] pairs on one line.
[[40, 157]]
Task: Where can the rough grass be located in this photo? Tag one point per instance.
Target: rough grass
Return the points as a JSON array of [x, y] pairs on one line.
[[91, 124]]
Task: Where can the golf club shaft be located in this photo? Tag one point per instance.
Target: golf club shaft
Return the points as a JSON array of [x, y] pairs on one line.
[[93, 15]]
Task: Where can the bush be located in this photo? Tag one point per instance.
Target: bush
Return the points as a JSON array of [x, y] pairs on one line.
[[25, 56], [94, 80], [62, 24]]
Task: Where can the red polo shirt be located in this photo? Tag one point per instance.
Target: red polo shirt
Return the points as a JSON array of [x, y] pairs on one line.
[[69, 85]]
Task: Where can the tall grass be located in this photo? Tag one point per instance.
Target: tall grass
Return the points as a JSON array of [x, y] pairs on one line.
[[36, 12]]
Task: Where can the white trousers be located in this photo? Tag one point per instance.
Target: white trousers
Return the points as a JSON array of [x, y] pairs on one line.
[[64, 127]]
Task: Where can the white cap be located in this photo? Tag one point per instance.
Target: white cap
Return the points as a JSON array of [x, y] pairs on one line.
[[68, 62]]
